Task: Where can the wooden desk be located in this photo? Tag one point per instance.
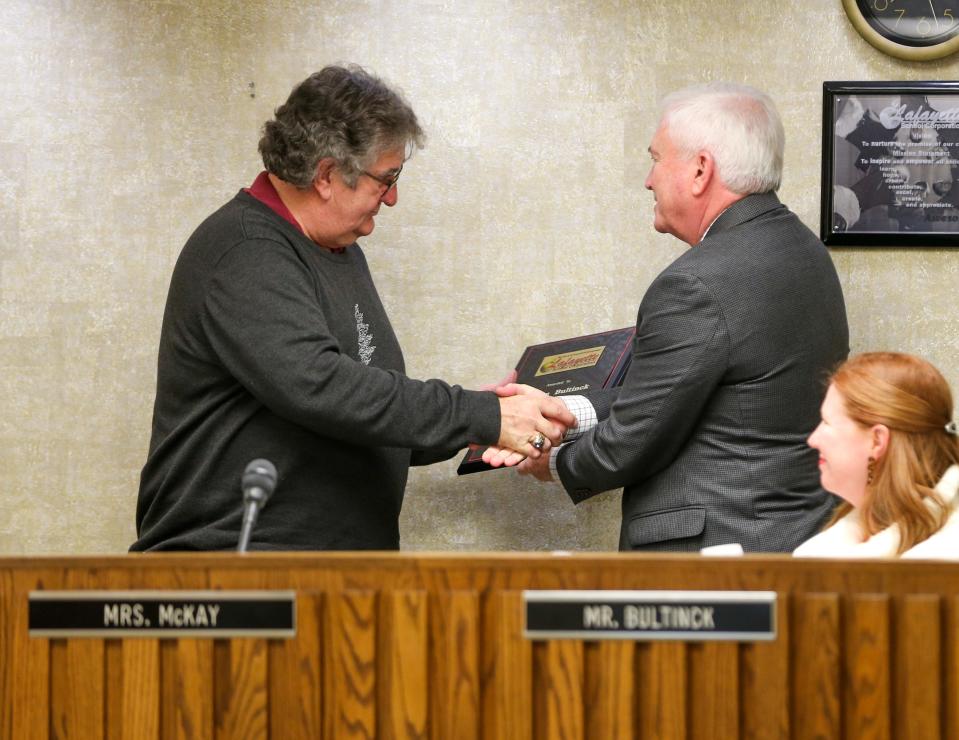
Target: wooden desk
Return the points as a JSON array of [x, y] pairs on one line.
[[431, 646]]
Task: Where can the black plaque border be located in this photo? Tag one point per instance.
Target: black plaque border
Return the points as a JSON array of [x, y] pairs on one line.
[[833, 238], [73, 625], [680, 597]]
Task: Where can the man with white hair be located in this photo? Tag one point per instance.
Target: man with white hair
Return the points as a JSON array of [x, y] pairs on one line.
[[733, 341]]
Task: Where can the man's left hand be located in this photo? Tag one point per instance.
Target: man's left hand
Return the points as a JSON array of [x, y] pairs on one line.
[[497, 457], [538, 468]]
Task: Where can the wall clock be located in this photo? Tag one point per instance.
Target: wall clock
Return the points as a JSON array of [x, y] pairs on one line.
[[917, 30]]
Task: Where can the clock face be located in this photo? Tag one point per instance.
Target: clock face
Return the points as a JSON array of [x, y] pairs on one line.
[[912, 23]]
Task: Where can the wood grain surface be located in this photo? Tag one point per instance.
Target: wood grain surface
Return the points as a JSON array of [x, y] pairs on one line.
[[432, 646]]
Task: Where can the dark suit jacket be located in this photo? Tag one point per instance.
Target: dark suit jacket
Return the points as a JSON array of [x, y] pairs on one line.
[[707, 434]]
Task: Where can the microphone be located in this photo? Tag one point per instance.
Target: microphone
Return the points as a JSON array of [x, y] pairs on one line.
[[258, 482]]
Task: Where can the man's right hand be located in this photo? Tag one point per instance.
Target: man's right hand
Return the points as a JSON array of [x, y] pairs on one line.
[[528, 412]]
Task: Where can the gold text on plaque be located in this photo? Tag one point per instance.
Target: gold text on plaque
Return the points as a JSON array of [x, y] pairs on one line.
[[570, 361]]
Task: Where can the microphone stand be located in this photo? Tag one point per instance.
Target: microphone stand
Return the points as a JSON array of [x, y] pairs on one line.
[[250, 512]]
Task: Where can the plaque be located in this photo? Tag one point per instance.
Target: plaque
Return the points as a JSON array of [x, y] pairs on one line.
[[164, 614], [890, 164], [740, 616], [568, 367]]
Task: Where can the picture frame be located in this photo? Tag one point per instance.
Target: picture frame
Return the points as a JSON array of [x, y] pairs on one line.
[[890, 164]]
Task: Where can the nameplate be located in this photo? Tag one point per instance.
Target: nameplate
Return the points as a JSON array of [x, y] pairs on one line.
[[164, 614], [741, 616]]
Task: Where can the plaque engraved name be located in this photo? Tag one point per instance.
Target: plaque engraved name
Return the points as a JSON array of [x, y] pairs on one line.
[[742, 616], [170, 614]]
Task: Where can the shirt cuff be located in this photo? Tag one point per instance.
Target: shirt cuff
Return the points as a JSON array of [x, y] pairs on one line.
[[585, 413], [553, 454]]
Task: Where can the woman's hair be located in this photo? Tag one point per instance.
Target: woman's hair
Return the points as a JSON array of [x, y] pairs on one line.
[[340, 112], [910, 397], [737, 124]]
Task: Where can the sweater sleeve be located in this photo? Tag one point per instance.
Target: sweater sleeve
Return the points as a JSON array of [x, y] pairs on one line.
[[264, 323]]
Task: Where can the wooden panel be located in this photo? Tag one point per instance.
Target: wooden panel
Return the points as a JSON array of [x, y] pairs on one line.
[[464, 670], [241, 702], [186, 680], [77, 696], [186, 689], [563, 670], [764, 681], [58, 671], [714, 690], [867, 662], [137, 684], [661, 690], [114, 684], [540, 689], [507, 679], [917, 668], [350, 670], [454, 653], [76, 688], [609, 689], [6, 653], [113, 677], [295, 675], [30, 669], [950, 658], [403, 688], [815, 667], [243, 713]]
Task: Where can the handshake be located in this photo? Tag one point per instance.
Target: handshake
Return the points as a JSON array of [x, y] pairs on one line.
[[531, 423]]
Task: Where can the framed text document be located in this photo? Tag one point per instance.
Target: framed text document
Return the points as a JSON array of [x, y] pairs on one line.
[[890, 169]]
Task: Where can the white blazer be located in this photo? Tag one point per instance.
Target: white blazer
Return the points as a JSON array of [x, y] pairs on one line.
[[847, 537]]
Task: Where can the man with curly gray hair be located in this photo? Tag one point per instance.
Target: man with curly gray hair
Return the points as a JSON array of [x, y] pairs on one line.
[[275, 345]]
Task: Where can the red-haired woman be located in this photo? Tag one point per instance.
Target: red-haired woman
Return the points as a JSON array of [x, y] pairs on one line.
[[888, 446]]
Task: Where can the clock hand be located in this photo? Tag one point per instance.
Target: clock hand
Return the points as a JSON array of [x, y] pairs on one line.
[[935, 17]]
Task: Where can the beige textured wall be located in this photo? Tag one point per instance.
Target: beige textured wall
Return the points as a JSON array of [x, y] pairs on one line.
[[122, 124]]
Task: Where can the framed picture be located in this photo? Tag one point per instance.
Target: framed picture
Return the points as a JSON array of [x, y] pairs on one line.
[[890, 164]]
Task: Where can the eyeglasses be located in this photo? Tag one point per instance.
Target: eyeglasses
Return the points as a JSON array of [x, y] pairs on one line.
[[387, 181]]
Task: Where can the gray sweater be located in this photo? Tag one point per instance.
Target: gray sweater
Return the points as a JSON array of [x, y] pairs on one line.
[[274, 347]]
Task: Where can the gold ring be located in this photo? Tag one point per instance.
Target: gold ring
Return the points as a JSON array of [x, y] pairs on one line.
[[539, 441]]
